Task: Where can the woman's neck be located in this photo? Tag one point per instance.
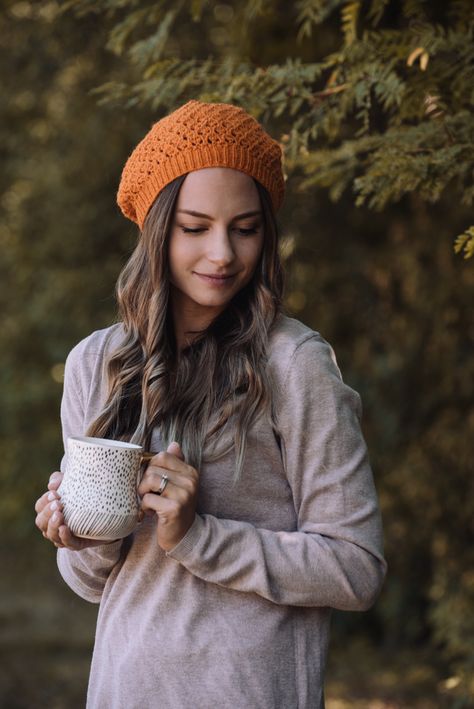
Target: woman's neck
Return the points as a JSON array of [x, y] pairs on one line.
[[189, 320]]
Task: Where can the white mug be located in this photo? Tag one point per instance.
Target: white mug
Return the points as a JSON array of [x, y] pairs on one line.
[[99, 487]]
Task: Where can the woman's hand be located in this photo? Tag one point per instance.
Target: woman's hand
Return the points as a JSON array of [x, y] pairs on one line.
[[50, 519], [176, 506]]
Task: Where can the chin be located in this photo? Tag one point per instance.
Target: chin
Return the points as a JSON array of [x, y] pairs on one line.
[[214, 302]]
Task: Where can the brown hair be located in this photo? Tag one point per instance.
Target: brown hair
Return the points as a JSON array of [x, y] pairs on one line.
[[151, 384]]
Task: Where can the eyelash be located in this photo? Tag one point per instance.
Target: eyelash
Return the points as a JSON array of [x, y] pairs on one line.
[[243, 232]]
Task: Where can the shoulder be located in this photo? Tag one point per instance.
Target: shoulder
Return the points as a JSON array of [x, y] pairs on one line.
[[292, 343], [90, 352], [305, 372], [98, 342]]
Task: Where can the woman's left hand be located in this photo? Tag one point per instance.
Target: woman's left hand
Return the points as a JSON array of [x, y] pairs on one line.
[[176, 506]]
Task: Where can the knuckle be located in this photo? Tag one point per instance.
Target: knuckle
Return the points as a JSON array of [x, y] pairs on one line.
[[66, 538], [55, 520], [189, 485], [153, 463], [153, 473], [181, 496], [146, 480], [149, 499], [193, 474], [175, 507]]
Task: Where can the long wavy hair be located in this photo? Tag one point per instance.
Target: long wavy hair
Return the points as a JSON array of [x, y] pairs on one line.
[[219, 382]]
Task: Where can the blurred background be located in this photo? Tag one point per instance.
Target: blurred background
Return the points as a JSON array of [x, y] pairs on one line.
[[372, 102]]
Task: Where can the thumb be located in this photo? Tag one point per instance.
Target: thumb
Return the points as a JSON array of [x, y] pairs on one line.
[[175, 449]]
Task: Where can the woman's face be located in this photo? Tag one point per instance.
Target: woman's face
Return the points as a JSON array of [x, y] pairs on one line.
[[216, 241]]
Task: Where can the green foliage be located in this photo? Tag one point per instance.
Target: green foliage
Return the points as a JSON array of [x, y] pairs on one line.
[[389, 111], [61, 248], [466, 242], [313, 12]]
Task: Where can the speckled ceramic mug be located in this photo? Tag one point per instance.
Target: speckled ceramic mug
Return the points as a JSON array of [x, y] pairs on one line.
[[99, 488]]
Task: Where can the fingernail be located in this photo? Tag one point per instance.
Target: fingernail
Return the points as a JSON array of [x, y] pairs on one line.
[[54, 505], [51, 496], [55, 517]]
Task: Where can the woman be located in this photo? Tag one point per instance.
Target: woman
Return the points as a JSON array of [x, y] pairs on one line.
[[264, 516]]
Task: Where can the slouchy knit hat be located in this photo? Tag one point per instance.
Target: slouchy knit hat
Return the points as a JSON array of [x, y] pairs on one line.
[[195, 136]]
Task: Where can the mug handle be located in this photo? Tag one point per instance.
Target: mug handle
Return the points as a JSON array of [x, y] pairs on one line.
[[146, 456]]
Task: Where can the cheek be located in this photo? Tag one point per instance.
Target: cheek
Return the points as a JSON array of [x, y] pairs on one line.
[[178, 255], [253, 252]]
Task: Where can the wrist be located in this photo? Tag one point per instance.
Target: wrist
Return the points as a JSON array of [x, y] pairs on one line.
[[171, 542]]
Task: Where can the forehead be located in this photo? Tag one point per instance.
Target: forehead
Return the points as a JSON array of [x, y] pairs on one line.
[[221, 189]]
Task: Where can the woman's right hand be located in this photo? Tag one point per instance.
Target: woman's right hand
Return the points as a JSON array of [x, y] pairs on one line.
[[50, 519]]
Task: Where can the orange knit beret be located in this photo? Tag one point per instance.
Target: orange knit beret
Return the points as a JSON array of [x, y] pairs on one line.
[[195, 136]]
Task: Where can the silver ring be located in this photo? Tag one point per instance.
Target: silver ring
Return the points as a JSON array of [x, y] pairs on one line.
[[164, 482]]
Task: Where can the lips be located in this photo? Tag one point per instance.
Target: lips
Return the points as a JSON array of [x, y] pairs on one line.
[[215, 279]]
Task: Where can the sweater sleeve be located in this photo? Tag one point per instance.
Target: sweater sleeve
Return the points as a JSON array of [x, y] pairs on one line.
[[335, 556], [85, 571]]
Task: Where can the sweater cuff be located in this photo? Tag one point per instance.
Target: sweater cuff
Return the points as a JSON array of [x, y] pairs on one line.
[[76, 574], [189, 541]]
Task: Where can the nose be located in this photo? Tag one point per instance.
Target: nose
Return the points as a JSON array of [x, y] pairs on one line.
[[220, 250]]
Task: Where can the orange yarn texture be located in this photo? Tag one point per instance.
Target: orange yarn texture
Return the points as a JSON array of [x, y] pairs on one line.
[[195, 136]]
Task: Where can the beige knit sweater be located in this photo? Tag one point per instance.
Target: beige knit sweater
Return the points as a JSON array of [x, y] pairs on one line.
[[237, 615]]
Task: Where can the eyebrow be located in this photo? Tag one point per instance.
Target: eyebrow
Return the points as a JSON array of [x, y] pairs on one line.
[[206, 216]]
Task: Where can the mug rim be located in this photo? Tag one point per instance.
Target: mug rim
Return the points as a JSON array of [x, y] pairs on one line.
[[106, 442]]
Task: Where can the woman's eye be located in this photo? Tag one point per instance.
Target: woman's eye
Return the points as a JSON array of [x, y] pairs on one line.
[[247, 232], [198, 230]]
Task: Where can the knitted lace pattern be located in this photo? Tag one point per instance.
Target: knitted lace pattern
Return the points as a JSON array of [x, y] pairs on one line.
[[198, 135]]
